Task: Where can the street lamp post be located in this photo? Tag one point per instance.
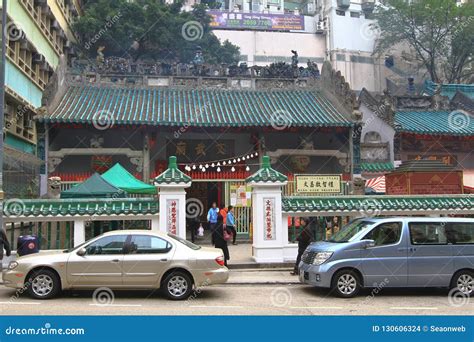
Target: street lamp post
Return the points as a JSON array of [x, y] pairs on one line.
[[2, 101]]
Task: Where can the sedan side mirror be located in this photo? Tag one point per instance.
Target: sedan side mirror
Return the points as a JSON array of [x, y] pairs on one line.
[[81, 251], [369, 243]]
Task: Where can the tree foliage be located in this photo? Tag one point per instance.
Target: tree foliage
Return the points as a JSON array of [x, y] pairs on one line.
[[150, 29], [440, 33]]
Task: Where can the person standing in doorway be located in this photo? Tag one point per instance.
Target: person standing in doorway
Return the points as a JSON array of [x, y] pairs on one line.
[[212, 219], [4, 244], [304, 239], [218, 238], [231, 223], [223, 213]]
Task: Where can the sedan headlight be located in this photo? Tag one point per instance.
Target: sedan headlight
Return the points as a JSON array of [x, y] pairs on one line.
[[321, 257], [12, 265]]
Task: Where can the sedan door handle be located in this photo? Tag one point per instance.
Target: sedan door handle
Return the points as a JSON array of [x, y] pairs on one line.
[[115, 260], [402, 249], [163, 260]]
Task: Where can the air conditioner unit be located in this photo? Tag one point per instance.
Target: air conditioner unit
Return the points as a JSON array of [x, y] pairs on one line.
[[44, 66], [368, 6], [343, 4], [321, 27], [310, 8], [24, 45], [29, 124], [55, 25], [68, 44], [38, 58], [40, 2]]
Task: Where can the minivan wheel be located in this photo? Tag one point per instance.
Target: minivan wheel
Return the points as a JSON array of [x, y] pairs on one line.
[[43, 284], [463, 282], [177, 285], [346, 284]]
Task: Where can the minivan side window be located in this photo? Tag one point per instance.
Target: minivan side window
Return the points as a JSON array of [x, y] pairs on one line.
[[460, 232], [385, 233], [427, 233]]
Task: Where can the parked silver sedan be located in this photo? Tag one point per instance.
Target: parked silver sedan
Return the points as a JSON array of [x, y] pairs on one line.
[[124, 259]]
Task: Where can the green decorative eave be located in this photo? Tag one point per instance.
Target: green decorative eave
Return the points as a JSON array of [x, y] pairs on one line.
[[266, 174], [172, 175], [378, 205], [199, 107], [25, 208], [376, 167], [452, 123]]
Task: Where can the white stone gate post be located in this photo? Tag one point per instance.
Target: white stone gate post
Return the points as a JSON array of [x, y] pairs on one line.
[[268, 237], [172, 199]]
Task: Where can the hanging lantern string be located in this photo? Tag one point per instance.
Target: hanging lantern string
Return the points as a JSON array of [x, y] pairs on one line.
[[218, 163]]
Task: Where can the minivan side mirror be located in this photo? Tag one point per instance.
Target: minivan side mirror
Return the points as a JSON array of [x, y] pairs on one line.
[[369, 243], [81, 251]]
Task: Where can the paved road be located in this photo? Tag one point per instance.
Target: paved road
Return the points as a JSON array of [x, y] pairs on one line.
[[242, 299]]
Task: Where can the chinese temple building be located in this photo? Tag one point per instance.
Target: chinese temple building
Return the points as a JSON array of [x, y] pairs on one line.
[[217, 126]]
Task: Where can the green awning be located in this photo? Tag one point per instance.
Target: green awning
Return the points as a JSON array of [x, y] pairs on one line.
[[376, 167], [122, 179], [94, 187], [159, 106]]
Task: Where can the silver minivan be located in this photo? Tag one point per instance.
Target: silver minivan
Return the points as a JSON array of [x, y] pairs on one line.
[[393, 252]]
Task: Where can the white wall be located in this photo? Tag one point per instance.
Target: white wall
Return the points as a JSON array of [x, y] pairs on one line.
[[275, 44], [373, 123]]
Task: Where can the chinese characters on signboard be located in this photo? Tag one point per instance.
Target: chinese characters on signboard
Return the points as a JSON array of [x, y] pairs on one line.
[[256, 21], [199, 149], [269, 218], [172, 221], [318, 184], [446, 159]]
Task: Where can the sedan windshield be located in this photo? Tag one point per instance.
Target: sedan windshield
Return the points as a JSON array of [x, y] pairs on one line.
[[349, 231], [185, 242]]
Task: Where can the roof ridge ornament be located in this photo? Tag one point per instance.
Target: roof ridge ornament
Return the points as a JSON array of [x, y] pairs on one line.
[[172, 175], [266, 174]]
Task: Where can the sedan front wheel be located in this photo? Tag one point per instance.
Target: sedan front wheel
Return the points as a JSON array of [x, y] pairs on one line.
[[43, 284]]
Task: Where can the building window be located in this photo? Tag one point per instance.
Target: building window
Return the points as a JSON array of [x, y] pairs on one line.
[[355, 15], [341, 13]]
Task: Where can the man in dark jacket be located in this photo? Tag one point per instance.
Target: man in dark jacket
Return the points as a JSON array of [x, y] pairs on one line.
[[4, 244], [305, 238]]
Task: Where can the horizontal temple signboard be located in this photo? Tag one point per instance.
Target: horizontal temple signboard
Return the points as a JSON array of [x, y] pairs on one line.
[[318, 184], [256, 21]]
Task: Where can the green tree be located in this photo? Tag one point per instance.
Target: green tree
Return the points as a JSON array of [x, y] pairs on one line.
[[150, 29], [439, 32]]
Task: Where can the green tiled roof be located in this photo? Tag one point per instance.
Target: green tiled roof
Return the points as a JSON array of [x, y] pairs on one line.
[[374, 205], [435, 122], [266, 174], [80, 207], [376, 167], [172, 175], [195, 107], [449, 90]]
